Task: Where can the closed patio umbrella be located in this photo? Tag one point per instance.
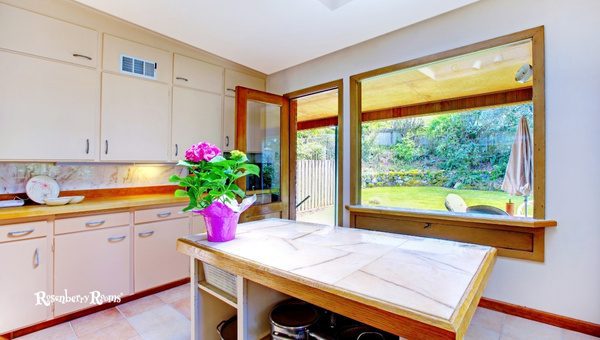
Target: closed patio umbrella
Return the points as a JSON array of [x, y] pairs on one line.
[[518, 179]]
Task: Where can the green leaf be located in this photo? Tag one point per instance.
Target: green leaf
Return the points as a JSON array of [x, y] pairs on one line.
[[250, 169], [181, 193], [217, 159], [174, 178]]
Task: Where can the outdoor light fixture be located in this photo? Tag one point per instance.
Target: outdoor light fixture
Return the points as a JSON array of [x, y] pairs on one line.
[[524, 73]]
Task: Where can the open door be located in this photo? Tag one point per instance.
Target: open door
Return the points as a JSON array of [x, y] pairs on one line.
[[262, 132]]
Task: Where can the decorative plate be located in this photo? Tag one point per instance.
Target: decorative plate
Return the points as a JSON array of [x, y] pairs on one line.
[[39, 188]]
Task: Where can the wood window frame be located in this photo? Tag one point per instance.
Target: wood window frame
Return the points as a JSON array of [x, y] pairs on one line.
[[295, 126], [514, 237]]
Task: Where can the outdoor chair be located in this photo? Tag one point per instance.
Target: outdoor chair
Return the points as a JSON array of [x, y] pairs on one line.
[[455, 203], [486, 209]]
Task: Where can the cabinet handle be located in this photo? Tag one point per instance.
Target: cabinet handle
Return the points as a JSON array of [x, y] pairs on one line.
[[106, 146], [181, 78], [20, 233], [226, 140], [176, 149], [232, 90], [164, 214], [36, 258], [77, 55], [87, 146], [116, 238], [146, 234], [92, 224]]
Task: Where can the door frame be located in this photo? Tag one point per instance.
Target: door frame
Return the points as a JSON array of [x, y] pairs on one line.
[[332, 85], [242, 96]]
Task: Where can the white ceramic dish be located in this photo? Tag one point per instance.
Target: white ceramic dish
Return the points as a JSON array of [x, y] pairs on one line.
[[74, 199], [57, 201], [39, 188]]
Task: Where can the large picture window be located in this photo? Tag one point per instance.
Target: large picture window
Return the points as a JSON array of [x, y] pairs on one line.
[[453, 135], [449, 161]]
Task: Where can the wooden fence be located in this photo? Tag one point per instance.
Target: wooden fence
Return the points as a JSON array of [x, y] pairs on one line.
[[317, 179]]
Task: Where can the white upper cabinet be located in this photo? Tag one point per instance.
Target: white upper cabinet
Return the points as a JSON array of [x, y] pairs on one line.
[[134, 59], [197, 74], [234, 78], [135, 119], [28, 32], [197, 117], [48, 110]]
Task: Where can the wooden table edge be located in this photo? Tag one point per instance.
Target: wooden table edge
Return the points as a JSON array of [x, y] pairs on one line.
[[463, 315], [395, 319]]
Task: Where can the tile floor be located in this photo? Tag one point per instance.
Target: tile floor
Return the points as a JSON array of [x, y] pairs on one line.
[[166, 316]]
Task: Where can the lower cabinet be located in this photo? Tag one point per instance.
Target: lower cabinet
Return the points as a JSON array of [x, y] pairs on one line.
[[156, 258], [24, 272], [92, 262]]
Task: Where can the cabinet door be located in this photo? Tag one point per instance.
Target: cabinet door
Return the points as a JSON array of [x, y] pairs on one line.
[[234, 78], [32, 33], [24, 273], [229, 124], [115, 48], [48, 110], [135, 119], [156, 260], [197, 117], [197, 74], [92, 261]]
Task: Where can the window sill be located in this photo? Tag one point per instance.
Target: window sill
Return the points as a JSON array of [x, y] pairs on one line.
[[516, 237]]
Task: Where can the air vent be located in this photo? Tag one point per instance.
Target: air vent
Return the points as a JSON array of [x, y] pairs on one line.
[[138, 67]]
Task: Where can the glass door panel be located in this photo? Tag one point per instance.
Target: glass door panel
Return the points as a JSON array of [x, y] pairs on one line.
[[263, 145]]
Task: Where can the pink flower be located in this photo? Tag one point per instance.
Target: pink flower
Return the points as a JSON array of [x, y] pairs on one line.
[[202, 152]]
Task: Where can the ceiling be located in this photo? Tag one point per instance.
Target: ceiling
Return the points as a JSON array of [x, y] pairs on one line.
[[317, 106], [487, 71], [272, 35]]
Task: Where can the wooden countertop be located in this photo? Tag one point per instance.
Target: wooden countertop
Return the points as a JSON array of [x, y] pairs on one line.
[[411, 286], [119, 203]]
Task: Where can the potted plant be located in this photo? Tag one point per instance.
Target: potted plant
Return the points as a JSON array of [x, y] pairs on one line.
[[212, 189]]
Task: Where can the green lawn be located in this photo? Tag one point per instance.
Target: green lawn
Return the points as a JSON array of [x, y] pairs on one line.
[[432, 198]]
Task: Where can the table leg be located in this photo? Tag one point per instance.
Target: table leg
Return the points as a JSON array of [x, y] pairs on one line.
[[195, 296]]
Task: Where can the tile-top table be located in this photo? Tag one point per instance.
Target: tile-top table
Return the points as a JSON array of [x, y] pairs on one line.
[[411, 286]]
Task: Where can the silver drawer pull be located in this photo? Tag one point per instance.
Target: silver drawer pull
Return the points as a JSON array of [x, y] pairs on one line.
[[164, 214], [77, 55], [20, 233], [232, 90], [36, 258], [95, 223], [146, 234], [181, 78], [116, 238]]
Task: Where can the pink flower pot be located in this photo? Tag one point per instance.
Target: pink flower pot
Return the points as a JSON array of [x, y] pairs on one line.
[[221, 220]]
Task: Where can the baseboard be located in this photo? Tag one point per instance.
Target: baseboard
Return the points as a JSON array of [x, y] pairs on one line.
[[541, 316], [88, 311]]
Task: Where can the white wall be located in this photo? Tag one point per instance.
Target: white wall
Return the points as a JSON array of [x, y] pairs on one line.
[[568, 283]]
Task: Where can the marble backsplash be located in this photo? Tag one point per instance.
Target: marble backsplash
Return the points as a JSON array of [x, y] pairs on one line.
[[14, 176]]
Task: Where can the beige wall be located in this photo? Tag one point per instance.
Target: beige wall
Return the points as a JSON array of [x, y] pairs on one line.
[[568, 283]]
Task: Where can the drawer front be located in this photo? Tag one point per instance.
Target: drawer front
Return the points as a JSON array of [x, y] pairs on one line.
[[197, 74], [159, 214], [115, 47], [28, 32], [69, 225], [234, 78], [157, 260], [23, 231]]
